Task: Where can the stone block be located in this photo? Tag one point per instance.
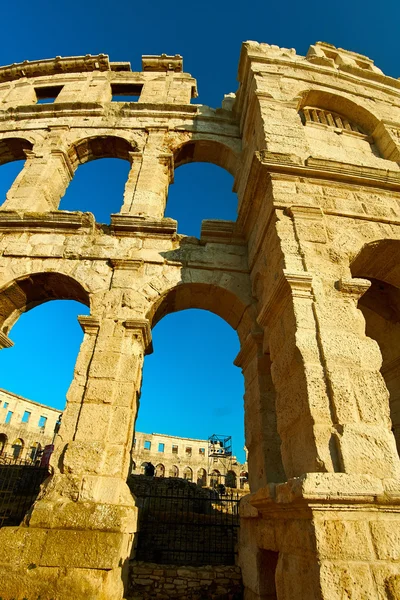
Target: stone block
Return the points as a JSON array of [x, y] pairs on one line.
[[344, 540]]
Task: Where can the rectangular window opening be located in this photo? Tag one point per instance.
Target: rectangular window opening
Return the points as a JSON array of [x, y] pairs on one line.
[[25, 417], [48, 94], [174, 449], [5, 405], [8, 417], [42, 422], [188, 451], [126, 92], [202, 451], [147, 445], [161, 447]]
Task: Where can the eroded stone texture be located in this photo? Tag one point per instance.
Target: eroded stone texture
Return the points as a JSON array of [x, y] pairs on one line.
[[308, 276]]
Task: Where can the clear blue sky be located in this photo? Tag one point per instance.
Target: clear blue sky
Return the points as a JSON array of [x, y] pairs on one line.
[[193, 350]]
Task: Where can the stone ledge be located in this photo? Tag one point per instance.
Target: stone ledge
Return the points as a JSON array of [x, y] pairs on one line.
[[136, 225], [54, 66], [321, 168], [331, 490], [62, 220], [221, 232]]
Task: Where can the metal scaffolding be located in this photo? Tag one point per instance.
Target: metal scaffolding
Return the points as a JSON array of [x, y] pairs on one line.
[[219, 459]]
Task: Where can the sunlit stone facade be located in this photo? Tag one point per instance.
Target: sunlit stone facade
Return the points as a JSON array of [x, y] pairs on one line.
[[308, 275]]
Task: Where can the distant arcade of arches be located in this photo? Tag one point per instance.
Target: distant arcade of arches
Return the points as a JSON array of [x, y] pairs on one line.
[[18, 450]]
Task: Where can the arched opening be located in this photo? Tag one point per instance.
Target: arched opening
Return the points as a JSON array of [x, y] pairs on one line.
[[201, 477], [188, 474], [194, 350], [17, 448], [24, 293], [174, 471], [380, 305], [222, 302], [3, 443], [215, 478], [99, 182], [160, 470], [143, 468], [202, 189], [230, 479], [39, 366], [339, 129], [34, 451], [208, 151], [12, 160], [133, 466]]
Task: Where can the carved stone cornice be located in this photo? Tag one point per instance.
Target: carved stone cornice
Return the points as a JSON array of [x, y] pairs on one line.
[[222, 232], [135, 157], [309, 222], [354, 287], [66, 160], [5, 341], [167, 159], [53, 66], [296, 285], [89, 324], [141, 326], [135, 224], [321, 491], [11, 220], [321, 168], [249, 349]]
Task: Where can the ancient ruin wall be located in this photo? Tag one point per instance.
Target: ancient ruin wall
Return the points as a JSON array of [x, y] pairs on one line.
[[307, 275]]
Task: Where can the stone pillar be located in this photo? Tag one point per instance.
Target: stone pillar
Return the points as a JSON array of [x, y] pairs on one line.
[[262, 439], [86, 505], [302, 403], [42, 182], [151, 173]]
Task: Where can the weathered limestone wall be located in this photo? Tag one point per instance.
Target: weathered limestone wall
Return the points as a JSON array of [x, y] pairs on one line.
[[324, 195], [149, 580]]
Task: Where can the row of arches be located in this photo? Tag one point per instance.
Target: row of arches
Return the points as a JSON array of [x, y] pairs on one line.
[[101, 167], [37, 289], [18, 449], [378, 261], [316, 106], [99, 146], [215, 478]]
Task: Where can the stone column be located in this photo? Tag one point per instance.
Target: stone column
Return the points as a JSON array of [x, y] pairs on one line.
[[42, 182], [80, 531], [151, 173], [302, 403], [262, 439]]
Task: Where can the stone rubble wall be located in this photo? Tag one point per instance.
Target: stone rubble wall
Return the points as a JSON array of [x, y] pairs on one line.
[[149, 580]]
